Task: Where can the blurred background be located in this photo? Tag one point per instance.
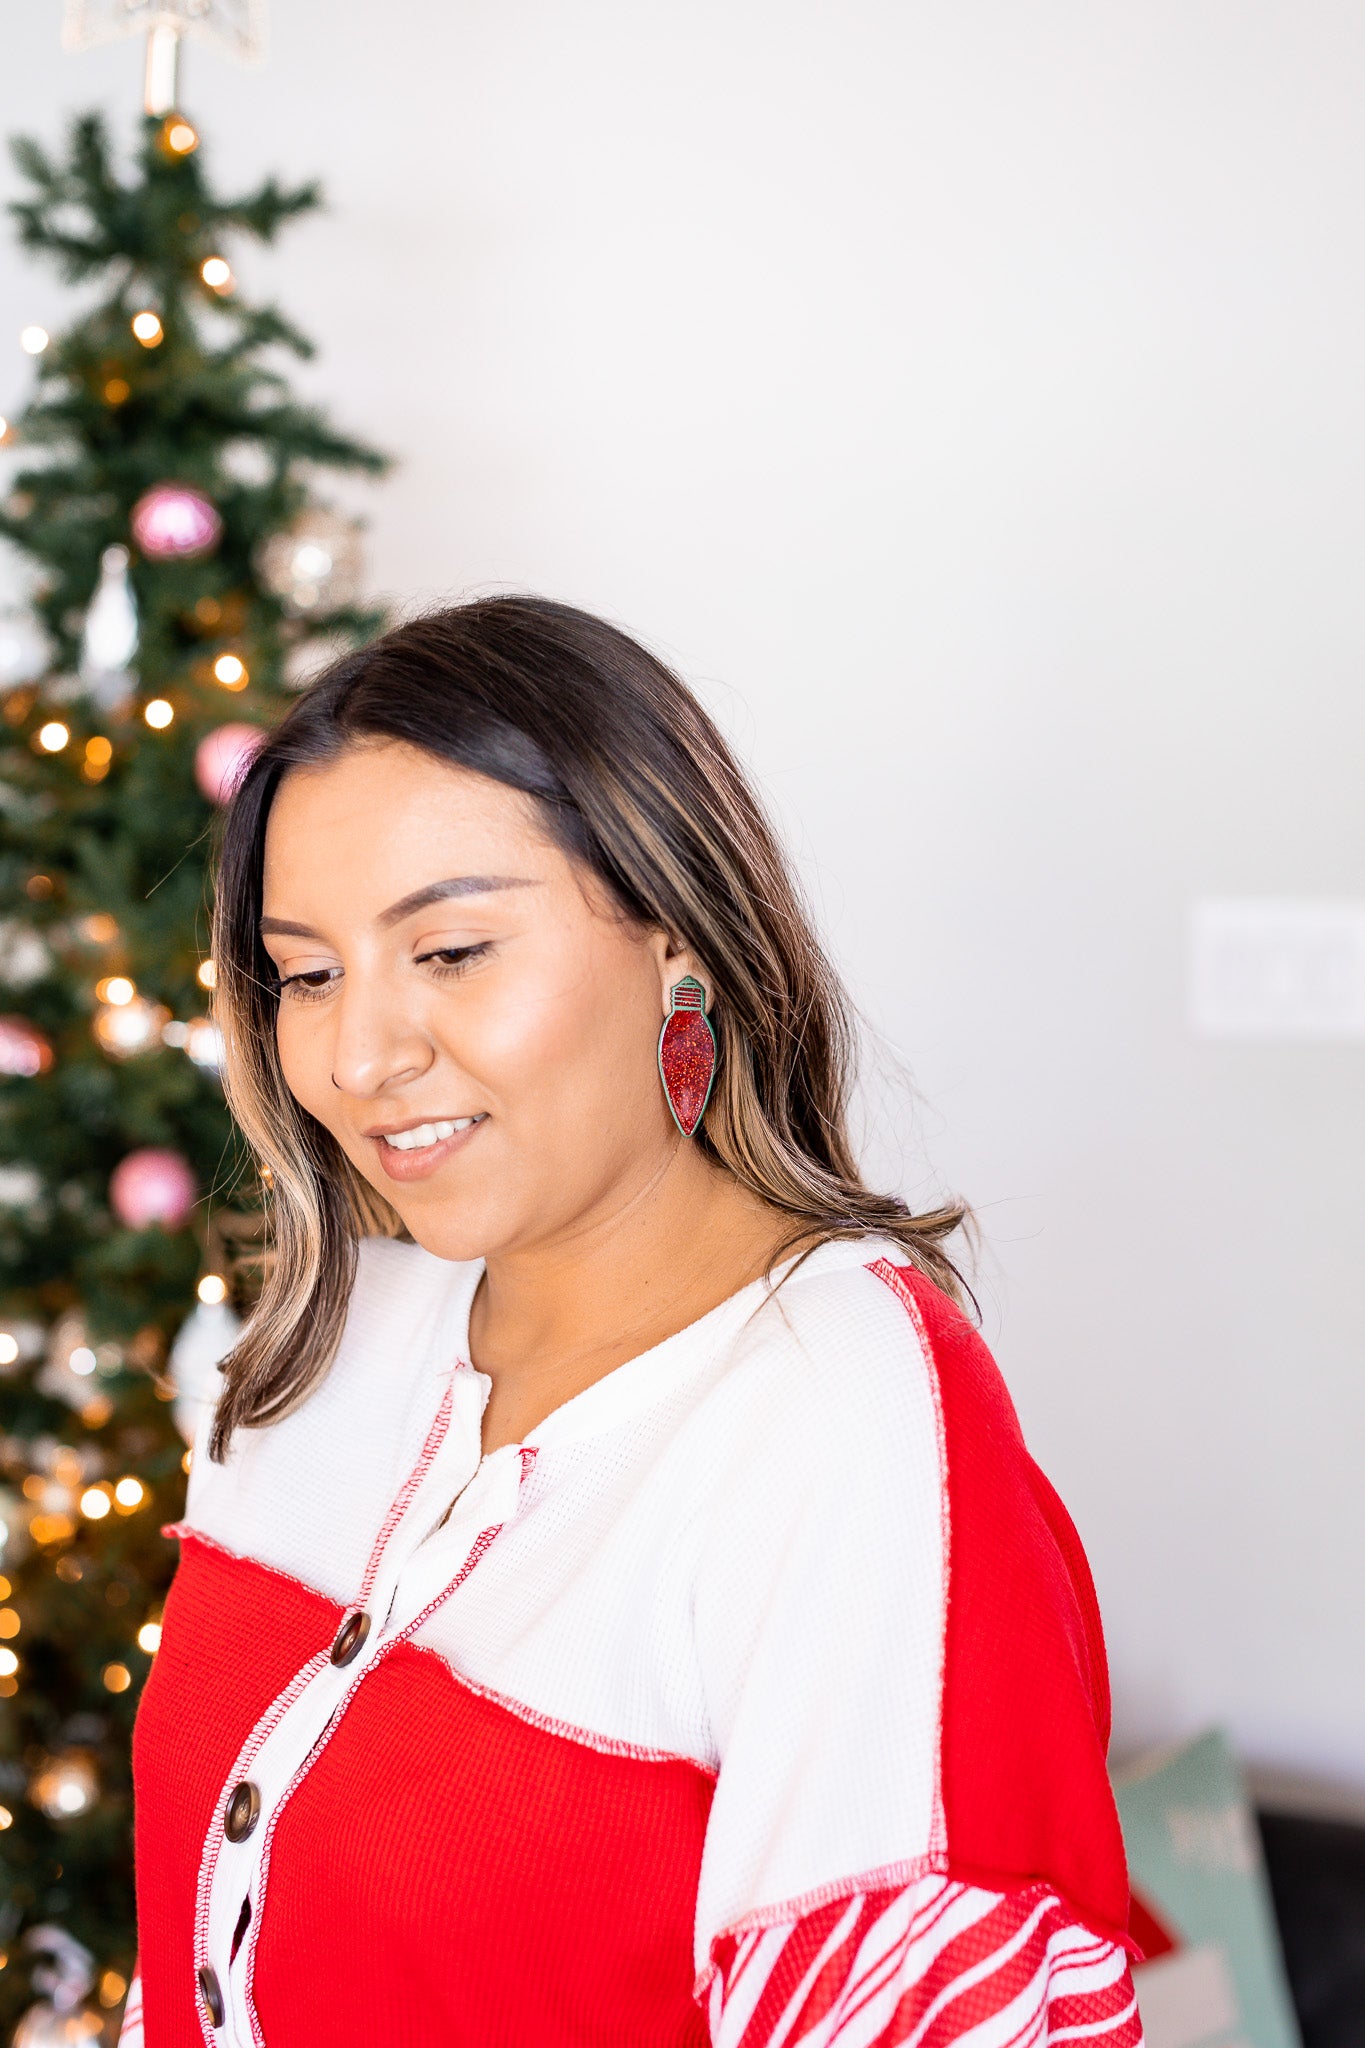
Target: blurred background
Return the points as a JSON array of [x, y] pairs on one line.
[[967, 399]]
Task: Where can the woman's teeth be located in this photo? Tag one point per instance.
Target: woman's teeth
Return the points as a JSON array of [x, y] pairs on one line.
[[429, 1134]]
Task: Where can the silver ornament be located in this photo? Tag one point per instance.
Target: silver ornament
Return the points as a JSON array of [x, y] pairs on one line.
[[315, 565], [109, 642]]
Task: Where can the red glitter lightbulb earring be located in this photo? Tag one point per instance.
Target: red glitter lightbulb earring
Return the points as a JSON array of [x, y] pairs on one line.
[[687, 1054]]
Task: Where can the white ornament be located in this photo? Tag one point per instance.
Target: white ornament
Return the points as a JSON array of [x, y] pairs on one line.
[[23, 648], [205, 1338], [110, 638], [236, 26], [21, 1187], [25, 955]]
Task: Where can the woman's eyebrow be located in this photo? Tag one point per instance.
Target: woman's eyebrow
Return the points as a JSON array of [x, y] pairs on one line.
[[434, 892]]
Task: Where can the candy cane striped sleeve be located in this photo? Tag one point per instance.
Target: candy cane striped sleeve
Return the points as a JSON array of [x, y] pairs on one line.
[[935, 1964]]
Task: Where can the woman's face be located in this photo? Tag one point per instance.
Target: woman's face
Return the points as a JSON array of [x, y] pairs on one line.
[[463, 1007]]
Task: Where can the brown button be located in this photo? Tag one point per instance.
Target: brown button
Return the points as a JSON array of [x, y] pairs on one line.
[[350, 1636], [243, 1811], [211, 1995]]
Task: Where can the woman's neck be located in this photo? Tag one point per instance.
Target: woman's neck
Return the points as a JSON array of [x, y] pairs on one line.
[[549, 1320]]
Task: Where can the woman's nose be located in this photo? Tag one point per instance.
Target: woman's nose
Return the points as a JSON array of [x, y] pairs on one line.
[[378, 1044]]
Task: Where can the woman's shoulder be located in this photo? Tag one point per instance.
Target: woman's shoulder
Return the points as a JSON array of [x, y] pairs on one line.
[[852, 1342]]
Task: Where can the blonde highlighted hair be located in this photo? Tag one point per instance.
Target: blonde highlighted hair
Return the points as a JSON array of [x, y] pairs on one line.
[[633, 780]]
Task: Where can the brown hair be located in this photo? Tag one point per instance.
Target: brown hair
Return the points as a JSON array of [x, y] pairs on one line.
[[634, 781]]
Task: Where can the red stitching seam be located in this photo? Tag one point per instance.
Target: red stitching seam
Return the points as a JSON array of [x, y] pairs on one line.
[[186, 1531], [890, 1275], [588, 1738], [402, 1500]]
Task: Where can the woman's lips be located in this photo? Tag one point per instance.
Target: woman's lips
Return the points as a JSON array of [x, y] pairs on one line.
[[424, 1160]]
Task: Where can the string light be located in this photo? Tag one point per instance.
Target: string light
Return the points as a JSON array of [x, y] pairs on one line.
[[149, 1637], [4, 430], [212, 1288], [95, 1503], [130, 1493], [6, 1818], [10, 1623], [9, 1348], [9, 1663], [53, 736], [116, 390], [112, 1988], [231, 671], [158, 713], [99, 752], [178, 136], [117, 1677], [216, 272], [147, 328], [208, 974], [33, 340], [82, 1360], [116, 989]]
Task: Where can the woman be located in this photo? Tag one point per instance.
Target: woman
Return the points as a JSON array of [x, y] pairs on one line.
[[616, 1605]]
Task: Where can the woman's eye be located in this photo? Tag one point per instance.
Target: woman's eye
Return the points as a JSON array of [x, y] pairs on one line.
[[452, 959], [306, 987]]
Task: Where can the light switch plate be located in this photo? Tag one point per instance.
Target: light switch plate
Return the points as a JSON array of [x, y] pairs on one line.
[[1278, 968]]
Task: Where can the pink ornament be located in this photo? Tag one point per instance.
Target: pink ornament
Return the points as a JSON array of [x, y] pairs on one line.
[[222, 758], [174, 520], [152, 1186], [23, 1048]]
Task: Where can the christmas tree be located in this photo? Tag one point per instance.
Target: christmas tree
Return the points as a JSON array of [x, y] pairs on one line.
[[160, 491]]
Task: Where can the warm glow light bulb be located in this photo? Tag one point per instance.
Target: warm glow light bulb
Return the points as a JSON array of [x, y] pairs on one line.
[[149, 1637], [33, 340], [95, 1503], [117, 1677], [130, 1493], [116, 989], [216, 273], [180, 137], [230, 671], [208, 974], [147, 328], [6, 1817], [9, 1348], [53, 736], [9, 1663], [158, 713], [82, 1360], [213, 1287]]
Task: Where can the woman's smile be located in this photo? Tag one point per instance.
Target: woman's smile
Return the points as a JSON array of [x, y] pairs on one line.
[[419, 1149]]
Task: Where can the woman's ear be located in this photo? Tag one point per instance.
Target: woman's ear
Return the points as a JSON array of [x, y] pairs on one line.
[[675, 963]]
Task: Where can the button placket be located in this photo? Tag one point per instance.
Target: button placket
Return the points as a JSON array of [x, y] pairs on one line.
[[243, 1824]]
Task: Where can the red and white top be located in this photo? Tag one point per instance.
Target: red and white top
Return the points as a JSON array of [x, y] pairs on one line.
[[757, 1698]]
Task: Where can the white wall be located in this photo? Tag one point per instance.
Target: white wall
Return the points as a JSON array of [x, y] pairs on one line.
[[969, 397]]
